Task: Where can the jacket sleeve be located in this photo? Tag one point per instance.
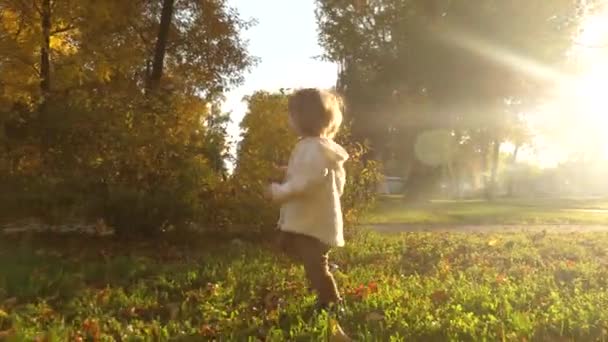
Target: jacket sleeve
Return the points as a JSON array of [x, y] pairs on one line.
[[309, 170], [340, 180]]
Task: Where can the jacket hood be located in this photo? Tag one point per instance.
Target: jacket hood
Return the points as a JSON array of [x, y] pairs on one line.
[[335, 153]]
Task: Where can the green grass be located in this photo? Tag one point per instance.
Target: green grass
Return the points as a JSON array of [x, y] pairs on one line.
[[415, 286], [548, 211]]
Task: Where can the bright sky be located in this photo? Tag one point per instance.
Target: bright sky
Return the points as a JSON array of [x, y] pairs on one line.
[[285, 39]]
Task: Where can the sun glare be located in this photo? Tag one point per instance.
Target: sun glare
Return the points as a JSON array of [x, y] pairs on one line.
[[583, 99], [594, 33], [591, 91], [575, 121]]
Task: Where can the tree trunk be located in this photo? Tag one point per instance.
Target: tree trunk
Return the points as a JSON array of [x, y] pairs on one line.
[[45, 48], [495, 159], [421, 183], [161, 45], [513, 162], [45, 80]]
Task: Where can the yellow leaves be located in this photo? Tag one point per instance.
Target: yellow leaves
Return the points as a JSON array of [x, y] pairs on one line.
[[9, 21], [62, 43], [267, 140], [104, 72]]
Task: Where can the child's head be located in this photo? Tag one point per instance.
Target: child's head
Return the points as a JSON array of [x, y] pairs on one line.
[[315, 113]]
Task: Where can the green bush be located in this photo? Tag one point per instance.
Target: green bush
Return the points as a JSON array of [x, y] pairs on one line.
[[139, 166], [362, 178]]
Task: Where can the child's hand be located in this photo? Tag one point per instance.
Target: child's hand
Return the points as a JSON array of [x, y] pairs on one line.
[[278, 173]]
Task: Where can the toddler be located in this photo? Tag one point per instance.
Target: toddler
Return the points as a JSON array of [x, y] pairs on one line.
[[310, 222]]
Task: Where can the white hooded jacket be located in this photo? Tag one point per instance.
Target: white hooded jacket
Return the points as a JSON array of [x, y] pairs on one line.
[[310, 195]]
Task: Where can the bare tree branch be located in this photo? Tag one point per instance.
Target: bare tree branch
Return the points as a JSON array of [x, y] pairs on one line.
[[63, 29]]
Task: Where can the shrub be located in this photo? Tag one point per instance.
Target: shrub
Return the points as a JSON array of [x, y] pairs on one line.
[[139, 166]]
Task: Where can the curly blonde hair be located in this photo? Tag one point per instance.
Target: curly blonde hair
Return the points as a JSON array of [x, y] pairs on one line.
[[316, 112]]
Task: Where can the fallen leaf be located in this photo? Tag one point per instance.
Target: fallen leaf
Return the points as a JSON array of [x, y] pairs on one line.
[[501, 278], [91, 328], [439, 296], [207, 330]]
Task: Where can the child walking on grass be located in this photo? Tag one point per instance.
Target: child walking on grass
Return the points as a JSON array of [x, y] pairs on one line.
[[310, 222]]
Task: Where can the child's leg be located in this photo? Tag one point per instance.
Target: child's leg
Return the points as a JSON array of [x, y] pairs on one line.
[[313, 254], [287, 243], [315, 258]]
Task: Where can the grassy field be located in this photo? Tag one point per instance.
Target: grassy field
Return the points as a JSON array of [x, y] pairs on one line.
[[415, 286], [516, 212]]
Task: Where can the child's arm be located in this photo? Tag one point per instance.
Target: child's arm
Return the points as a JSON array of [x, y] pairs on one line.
[[309, 170]]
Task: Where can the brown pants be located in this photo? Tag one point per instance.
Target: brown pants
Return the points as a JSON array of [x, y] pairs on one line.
[[313, 254]]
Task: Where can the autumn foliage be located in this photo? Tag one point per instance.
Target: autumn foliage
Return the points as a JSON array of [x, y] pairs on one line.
[[114, 115]]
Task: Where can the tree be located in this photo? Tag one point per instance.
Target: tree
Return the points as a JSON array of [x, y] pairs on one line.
[[266, 140], [215, 144], [161, 44], [414, 66], [100, 140]]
